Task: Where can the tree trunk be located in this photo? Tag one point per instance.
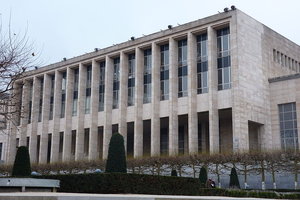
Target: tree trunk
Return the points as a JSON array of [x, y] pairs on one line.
[[194, 170], [245, 176], [273, 176], [218, 175], [263, 178]]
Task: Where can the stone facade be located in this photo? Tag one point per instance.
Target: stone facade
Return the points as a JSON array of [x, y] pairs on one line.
[[239, 116]]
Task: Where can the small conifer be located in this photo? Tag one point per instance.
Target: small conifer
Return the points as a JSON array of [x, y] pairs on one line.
[[234, 179], [116, 160], [173, 172], [203, 177], [22, 165]]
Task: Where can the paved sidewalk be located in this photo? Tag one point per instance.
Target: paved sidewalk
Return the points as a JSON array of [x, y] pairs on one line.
[[81, 196]]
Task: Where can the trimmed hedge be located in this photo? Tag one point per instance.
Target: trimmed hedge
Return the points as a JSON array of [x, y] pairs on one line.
[[120, 183], [115, 183]]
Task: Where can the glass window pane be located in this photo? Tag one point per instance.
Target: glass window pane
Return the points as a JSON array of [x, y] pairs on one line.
[[220, 63], [204, 48], [225, 42], [288, 107], [220, 76], [205, 79], [288, 125], [226, 74], [288, 116], [185, 83], [219, 46]]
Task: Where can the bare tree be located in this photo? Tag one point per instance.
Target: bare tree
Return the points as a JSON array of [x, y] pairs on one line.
[[246, 166], [217, 165], [16, 57], [274, 163], [291, 160]]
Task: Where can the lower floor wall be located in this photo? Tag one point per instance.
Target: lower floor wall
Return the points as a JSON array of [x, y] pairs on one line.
[[93, 143]]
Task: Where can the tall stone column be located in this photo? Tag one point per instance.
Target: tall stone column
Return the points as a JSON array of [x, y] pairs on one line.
[[45, 119], [192, 94], [79, 150], [123, 96], [108, 104], [24, 112], [94, 111], [36, 90], [16, 100], [155, 101], [138, 120], [213, 91], [66, 154], [173, 100], [56, 117]]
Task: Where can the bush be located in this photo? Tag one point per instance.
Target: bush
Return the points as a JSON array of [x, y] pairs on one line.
[[116, 160], [22, 165], [120, 183], [173, 172], [234, 179], [203, 177]]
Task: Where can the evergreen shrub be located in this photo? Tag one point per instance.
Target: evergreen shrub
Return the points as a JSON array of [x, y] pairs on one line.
[[234, 179], [203, 177], [22, 165], [116, 160], [173, 172]]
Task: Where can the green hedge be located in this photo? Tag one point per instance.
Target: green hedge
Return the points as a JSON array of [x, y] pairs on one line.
[[118, 183], [114, 183]]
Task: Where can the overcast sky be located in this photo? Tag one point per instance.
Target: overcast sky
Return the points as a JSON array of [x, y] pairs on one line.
[[68, 28]]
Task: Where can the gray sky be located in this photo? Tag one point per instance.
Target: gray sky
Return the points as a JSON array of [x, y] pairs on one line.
[[68, 28]]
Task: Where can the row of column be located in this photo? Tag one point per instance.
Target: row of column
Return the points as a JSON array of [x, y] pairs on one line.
[[122, 121]]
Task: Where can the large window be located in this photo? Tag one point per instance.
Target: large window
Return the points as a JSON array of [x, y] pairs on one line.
[[101, 86], [63, 95], [131, 79], [224, 63], [202, 67], [51, 97], [88, 89], [164, 72], [288, 126], [147, 75], [75, 92], [116, 83], [41, 99], [182, 68]]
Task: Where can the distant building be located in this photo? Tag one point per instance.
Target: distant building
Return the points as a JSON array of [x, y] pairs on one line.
[[222, 83]]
